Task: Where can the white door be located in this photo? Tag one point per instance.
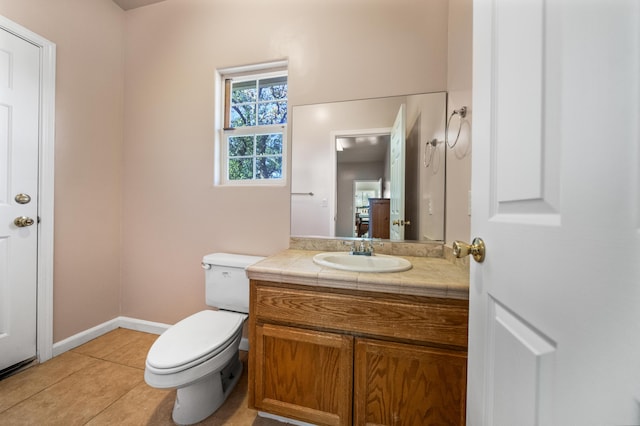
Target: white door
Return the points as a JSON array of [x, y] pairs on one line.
[[397, 152], [19, 120], [554, 335]]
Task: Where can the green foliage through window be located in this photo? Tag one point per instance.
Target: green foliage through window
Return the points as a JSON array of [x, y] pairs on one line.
[[255, 157], [257, 114], [259, 102]]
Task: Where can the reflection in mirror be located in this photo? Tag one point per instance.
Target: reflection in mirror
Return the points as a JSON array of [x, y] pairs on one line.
[[364, 191], [351, 177]]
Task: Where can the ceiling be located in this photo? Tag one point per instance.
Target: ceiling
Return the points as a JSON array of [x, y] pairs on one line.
[[132, 4], [363, 149]]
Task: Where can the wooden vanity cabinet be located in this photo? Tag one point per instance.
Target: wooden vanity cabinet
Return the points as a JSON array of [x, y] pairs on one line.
[[342, 357]]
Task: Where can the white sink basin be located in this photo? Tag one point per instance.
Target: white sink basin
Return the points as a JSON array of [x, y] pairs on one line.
[[355, 263]]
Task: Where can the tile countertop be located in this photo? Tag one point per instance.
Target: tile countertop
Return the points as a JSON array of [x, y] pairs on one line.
[[433, 277]]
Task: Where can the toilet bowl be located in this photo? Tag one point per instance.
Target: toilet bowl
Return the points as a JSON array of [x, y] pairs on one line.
[[199, 355]]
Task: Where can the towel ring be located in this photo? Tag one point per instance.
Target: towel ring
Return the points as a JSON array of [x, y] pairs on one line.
[[462, 112]]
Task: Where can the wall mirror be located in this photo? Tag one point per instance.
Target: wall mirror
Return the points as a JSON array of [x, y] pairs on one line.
[[370, 168]]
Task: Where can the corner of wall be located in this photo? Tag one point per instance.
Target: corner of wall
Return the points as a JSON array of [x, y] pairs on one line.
[[459, 88]]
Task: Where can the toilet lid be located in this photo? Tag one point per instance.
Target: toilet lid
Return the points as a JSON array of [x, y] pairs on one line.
[[199, 336]]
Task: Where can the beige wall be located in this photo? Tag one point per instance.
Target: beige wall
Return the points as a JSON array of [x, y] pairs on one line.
[[134, 203], [173, 215], [88, 154], [459, 83]]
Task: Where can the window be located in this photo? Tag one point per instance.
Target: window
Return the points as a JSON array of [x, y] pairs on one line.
[[253, 142]]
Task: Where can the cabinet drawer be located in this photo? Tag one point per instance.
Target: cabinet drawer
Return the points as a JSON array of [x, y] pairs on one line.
[[411, 318]]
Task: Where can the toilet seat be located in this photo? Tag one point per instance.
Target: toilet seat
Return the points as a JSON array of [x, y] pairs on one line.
[[193, 341]]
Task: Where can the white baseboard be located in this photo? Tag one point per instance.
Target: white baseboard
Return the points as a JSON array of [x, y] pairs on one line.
[[119, 322], [143, 325], [97, 331]]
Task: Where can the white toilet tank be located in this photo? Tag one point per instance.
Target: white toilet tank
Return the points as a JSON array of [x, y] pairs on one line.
[[227, 285]]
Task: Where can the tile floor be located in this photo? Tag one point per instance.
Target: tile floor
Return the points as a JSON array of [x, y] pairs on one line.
[[102, 383]]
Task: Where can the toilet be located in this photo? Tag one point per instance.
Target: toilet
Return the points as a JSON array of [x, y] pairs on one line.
[[199, 355]]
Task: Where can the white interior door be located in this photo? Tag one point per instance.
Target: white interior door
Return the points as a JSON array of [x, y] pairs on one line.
[[19, 132], [397, 159], [554, 335]]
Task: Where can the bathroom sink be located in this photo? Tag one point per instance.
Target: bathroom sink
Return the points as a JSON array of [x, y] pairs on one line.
[[347, 262]]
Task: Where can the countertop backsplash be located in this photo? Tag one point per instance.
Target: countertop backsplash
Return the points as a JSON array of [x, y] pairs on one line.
[[387, 247]]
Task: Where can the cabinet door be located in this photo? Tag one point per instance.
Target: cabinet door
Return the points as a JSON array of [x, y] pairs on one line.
[[303, 374], [399, 384]]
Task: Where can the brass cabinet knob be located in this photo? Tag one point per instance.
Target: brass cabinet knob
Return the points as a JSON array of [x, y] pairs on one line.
[[476, 249], [23, 221], [401, 222]]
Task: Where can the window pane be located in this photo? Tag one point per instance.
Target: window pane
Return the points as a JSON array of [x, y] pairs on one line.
[[272, 113], [240, 146], [269, 144], [240, 168], [273, 88], [260, 104], [243, 115], [243, 92], [268, 167]]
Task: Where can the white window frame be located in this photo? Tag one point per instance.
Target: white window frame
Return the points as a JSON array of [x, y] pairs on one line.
[[239, 74]]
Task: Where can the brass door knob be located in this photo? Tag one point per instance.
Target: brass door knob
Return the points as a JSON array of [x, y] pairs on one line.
[[401, 222], [476, 249], [23, 221], [22, 199]]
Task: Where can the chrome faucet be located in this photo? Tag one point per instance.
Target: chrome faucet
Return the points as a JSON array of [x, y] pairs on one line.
[[363, 248]]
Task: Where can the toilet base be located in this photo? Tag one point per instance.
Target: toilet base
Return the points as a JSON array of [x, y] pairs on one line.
[[200, 399]]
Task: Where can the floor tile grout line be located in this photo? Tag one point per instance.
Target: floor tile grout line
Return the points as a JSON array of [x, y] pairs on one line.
[[89, 357], [113, 350], [113, 402], [101, 358], [128, 397], [96, 357], [48, 386]]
